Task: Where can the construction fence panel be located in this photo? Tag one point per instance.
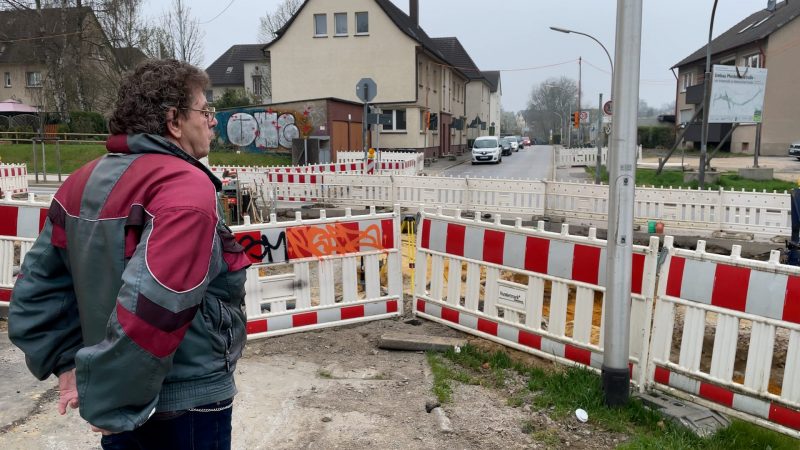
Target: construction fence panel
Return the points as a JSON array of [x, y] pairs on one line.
[[296, 187], [577, 157], [529, 289], [359, 190], [12, 252], [726, 334], [312, 274], [579, 203], [22, 218], [13, 179]]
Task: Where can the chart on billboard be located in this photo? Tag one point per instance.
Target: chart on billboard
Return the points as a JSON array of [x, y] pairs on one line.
[[737, 94]]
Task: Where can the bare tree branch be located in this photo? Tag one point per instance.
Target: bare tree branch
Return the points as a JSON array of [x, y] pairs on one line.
[[274, 21]]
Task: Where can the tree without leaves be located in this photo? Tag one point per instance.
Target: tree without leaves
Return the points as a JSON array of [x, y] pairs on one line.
[[184, 34], [548, 100], [274, 21]]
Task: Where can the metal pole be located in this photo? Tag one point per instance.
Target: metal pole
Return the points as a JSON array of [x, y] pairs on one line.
[[35, 166], [580, 141], [364, 124], [758, 145], [599, 144], [706, 101], [44, 163], [58, 158], [621, 166]]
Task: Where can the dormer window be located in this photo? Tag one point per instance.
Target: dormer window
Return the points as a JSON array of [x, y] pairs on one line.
[[229, 70]]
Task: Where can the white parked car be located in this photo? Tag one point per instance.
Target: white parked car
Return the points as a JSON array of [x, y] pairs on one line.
[[487, 149], [794, 149]]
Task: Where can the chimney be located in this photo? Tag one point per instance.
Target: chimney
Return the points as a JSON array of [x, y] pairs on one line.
[[770, 5], [413, 11]]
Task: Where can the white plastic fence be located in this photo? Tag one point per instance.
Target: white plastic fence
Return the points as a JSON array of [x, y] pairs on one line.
[[12, 252], [571, 157], [305, 273], [752, 369], [13, 178], [529, 289], [412, 162], [22, 218]]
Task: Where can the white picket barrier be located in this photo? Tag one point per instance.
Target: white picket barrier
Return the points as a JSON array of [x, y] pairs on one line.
[[413, 162], [22, 218], [296, 187], [14, 178], [752, 369], [573, 157], [12, 252], [520, 266], [288, 256], [359, 190]]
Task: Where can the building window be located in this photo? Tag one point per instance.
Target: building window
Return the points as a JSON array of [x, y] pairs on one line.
[[753, 60], [398, 120], [34, 79], [340, 21], [7, 79], [687, 80], [362, 23], [257, 83], [320, 24]]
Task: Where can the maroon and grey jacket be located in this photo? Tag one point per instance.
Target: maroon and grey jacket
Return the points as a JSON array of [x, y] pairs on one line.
[[136, 281]]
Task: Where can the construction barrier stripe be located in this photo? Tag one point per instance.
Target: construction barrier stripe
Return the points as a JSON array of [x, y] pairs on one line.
[[5, 295], [762, 293], [322, 316], [563, 259], [771, 411], [22, 221]]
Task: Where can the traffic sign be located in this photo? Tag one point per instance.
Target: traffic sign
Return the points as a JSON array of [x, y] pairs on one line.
[[607, 108], [584, 116], [366, 89]]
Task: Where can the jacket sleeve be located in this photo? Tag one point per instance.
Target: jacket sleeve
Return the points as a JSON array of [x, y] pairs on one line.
[[43, 315], [163, 285]]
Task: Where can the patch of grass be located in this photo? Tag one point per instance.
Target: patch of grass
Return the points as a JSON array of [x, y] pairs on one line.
[[322, 373], [674, 179], [548, 437], [74, 156], [564, 390], [443, 375]]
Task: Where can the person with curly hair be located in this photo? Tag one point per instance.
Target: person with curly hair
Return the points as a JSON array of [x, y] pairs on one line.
[[133, 293]]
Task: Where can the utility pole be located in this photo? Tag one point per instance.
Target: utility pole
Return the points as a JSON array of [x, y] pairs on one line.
[[580, 141], [598, 140], [621, 167], [706, 103]]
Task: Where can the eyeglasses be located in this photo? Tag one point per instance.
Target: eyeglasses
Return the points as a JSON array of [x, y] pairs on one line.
[[208, 113]]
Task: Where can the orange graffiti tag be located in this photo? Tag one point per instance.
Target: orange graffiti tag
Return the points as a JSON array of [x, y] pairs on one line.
[[332, 239]]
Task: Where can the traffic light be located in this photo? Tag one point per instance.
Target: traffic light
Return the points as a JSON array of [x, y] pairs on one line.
[[576, 119]]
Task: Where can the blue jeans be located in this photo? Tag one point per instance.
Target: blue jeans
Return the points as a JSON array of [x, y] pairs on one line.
[[179, 430]]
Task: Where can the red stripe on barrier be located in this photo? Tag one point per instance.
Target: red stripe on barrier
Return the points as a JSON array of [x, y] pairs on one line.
[[493, 243], [661, 376], [426, 233], [716, 394], [730, 287], [536, 253], [420, 305], [791, 303], [586, 263], [454, 242], [252, 244], [353, 312], [637, 273], [530, 340], [257, 326], [675, 276], [784, 416], [387, 232], [5, 295], [8, 220], [487, 326], [451, 315], [391, 306], [304, 319], [577, 354]]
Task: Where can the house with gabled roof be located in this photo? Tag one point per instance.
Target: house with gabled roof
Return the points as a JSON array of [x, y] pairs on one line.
[[766, 39], [243, 67], [328, 46]]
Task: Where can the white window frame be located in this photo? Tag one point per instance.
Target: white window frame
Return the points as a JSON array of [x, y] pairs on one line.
[[7, 79], [258, 86], [393, 128], [324, 23], [37, 76], [336, 17], [363, 14], [687, 80], [754, 57]]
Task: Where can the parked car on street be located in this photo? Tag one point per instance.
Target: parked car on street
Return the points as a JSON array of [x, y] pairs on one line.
[[505, 143], [515, 142], [487, 149], [526, 140], [794, 149]]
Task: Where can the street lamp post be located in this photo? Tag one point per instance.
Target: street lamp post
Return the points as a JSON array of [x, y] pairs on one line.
[[611, 63]]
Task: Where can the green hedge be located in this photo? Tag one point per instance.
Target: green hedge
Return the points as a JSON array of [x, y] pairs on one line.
[[87, 122], [655, 137]]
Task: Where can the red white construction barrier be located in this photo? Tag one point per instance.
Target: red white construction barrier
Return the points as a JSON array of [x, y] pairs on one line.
[[334, 248], [512, 311], [22, 218], [13, 178], [751, 302]]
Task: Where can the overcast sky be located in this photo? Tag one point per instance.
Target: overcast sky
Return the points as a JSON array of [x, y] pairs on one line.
[[514, 36]]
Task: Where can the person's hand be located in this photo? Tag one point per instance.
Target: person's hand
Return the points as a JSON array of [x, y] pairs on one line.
[[102, 431], [67, 391]]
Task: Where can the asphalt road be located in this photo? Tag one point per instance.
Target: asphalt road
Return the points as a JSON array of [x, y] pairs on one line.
[[532, 162]]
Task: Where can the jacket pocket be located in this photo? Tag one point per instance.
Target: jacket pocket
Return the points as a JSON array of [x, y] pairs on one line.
[[225, 322]]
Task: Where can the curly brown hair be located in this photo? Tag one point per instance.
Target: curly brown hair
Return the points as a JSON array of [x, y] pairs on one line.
[[146, 94]]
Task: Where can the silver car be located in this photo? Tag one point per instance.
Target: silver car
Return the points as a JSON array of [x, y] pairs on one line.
[[794, 149]]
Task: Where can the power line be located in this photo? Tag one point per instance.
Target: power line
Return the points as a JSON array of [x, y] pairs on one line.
[[220, 13]]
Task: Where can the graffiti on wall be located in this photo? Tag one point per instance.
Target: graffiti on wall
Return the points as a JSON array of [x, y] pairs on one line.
[[266, 128], [275, 246]]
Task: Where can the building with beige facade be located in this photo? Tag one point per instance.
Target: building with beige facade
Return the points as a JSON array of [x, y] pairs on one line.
[[766, 39], [328, 46], [244, 68]]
